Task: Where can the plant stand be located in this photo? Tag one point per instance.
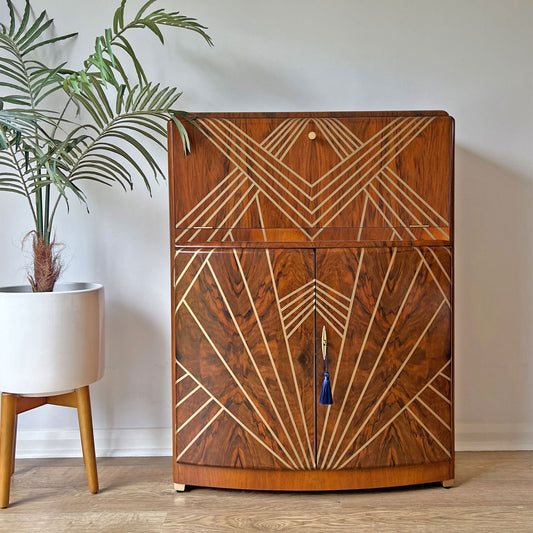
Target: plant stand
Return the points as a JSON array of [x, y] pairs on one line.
[[13, 404]]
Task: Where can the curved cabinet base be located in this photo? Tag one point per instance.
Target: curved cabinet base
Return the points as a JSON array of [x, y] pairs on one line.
[[312, 480]]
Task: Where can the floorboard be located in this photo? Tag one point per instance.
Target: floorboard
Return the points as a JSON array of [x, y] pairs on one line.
[[493, 493]]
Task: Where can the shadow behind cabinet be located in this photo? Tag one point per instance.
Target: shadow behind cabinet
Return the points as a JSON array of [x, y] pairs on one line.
[[285, 224]]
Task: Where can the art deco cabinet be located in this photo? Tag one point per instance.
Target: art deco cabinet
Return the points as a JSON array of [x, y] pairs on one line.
[[285, 224]]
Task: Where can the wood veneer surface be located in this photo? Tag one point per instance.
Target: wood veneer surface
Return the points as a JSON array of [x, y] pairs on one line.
[[260, 177], [284, 223]]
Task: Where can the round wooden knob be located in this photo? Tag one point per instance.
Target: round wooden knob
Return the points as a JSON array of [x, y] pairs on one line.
[[312, 135]]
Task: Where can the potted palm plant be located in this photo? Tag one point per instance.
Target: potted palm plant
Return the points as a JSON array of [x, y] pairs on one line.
[[59, 128]]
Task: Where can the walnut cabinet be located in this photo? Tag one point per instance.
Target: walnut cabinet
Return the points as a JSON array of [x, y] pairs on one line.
[[285, 224]]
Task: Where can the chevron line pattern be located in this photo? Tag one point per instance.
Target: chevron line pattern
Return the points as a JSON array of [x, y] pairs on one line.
[[332, 307], [260, 175]]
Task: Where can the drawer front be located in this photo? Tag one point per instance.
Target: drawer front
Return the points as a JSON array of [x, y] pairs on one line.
[[317, 178]]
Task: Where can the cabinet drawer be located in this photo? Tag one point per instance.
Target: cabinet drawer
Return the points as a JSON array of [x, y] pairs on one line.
[[313, 178]]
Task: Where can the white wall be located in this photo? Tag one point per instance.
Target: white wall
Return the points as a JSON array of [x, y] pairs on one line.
[[469, 57]]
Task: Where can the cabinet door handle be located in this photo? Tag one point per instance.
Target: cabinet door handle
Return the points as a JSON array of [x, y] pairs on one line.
[[326, 397], [324, 344]]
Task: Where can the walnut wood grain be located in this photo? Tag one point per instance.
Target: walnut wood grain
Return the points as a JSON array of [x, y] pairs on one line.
[[240, 399], [313, 480], [388, 175], [388, 315]]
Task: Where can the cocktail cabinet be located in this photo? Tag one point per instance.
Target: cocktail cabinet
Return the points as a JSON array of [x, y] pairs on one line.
[[294, 230]]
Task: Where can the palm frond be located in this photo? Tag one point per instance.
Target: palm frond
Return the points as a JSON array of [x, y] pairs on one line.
[[103, 60], [137, 113], [118, 122], [28, 81]]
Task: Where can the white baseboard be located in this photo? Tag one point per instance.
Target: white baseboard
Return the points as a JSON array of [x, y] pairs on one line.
[[158, 441], [493, 437], [140, 442]]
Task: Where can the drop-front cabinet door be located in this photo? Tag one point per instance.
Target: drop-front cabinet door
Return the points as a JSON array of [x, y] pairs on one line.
[[387, 313], [244, 358], [325, 179]]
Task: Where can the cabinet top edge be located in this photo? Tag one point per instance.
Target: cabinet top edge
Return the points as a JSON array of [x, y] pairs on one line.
[[318, 114], [227, 245]]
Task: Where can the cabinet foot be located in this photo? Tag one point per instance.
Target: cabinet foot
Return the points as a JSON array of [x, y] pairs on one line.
[[179, 487], [448, 484]]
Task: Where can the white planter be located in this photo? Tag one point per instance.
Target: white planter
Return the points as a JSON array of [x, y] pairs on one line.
[[51, 342]]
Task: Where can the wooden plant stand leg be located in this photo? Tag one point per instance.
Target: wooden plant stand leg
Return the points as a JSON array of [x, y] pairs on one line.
[[87, 438], [81, 400], [13, 404], [13, 451], [7, 437]]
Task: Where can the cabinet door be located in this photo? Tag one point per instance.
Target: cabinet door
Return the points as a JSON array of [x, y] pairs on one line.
[[244, 337], [388, 316], [322, 177]]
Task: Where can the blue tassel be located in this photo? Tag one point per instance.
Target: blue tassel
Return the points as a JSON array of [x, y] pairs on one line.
[[326, 398], [325, 394]]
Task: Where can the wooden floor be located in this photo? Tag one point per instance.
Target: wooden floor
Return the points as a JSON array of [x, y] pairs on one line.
[[493, 492]]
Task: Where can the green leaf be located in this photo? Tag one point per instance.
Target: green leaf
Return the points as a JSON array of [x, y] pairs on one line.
[[123, 136], [35, 30], [11, 17], [153, 27], [11, 73], [183, 134], [114, 172], [168, 99], [18, 100], [108, 41], [147, 123], [89, 102], [120, 99], [49, 41], [180, 21], [24, 21], [12, 86], [118, 67], [129, 99], [42, 95], [99, 59], [14, 66], [125, 45], [104, 102], [117, 150], [118, 19], [99, 177], [158, 97], [142, 10], [135, 105], [149, 93], [144, 132], [13, 190]]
